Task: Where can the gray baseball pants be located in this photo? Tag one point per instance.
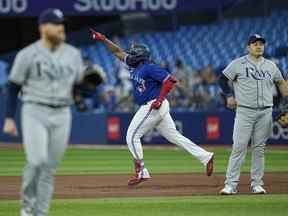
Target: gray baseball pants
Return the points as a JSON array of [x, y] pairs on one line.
[[45, 134], [253, 125]]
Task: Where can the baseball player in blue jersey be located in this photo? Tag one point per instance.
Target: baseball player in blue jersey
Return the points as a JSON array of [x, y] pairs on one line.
[[151, 84], [45, 72], [253, 78]]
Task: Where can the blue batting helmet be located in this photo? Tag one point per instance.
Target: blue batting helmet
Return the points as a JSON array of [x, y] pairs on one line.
[[138, 53]]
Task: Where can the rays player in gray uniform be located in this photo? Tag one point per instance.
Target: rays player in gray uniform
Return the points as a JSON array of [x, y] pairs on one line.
[[253, 78], [45, 72]]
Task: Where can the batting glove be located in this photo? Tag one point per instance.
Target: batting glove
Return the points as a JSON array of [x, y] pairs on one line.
[[156, 104], [97, 35]]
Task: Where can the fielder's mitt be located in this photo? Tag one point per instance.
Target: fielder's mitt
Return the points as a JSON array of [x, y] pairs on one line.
[[282, 119], [91, 80]]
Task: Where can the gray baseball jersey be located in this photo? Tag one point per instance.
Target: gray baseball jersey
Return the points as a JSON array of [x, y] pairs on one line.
[[253, 86], [47, 76], [253, 82]]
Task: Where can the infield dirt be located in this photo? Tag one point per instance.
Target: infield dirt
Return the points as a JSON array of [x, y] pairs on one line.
[[100, 186]]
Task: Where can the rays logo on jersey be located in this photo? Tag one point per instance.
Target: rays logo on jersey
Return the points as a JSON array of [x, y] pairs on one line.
[[140, 82], [52, 71], [255, 74]]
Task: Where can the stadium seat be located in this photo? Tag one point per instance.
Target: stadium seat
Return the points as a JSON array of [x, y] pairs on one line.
[[197, 46]]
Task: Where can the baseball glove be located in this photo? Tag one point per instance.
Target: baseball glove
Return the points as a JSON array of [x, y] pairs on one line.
[[92, 79], [87, 87], [282, 119]]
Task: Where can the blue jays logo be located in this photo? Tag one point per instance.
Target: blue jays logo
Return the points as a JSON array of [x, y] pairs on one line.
[[139, 82], [255, 74], [141, 88]]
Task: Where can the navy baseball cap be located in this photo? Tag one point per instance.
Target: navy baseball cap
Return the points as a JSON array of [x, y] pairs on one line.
[[51, 15], [256, 37]]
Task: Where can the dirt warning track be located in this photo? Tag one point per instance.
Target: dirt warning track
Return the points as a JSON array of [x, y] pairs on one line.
[[160, 185]]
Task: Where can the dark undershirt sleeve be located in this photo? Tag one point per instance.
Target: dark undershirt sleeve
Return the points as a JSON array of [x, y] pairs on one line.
[[223, 82], [13, 90]]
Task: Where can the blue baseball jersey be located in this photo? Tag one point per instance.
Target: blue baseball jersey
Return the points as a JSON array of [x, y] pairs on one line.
[[147, 82]]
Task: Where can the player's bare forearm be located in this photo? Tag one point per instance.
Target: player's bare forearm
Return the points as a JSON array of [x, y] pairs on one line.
[[115, 49], [283, 87]]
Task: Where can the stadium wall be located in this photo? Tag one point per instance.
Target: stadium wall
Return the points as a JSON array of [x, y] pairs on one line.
[[110, 128]]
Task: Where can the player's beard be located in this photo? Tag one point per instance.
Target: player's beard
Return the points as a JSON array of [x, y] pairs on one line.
[[57, 39]]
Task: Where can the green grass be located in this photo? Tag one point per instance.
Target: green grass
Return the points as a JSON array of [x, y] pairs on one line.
[[116, 161], [181, 206], [112, 161]]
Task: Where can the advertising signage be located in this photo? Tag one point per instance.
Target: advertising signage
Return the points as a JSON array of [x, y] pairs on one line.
[[105, 7]]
